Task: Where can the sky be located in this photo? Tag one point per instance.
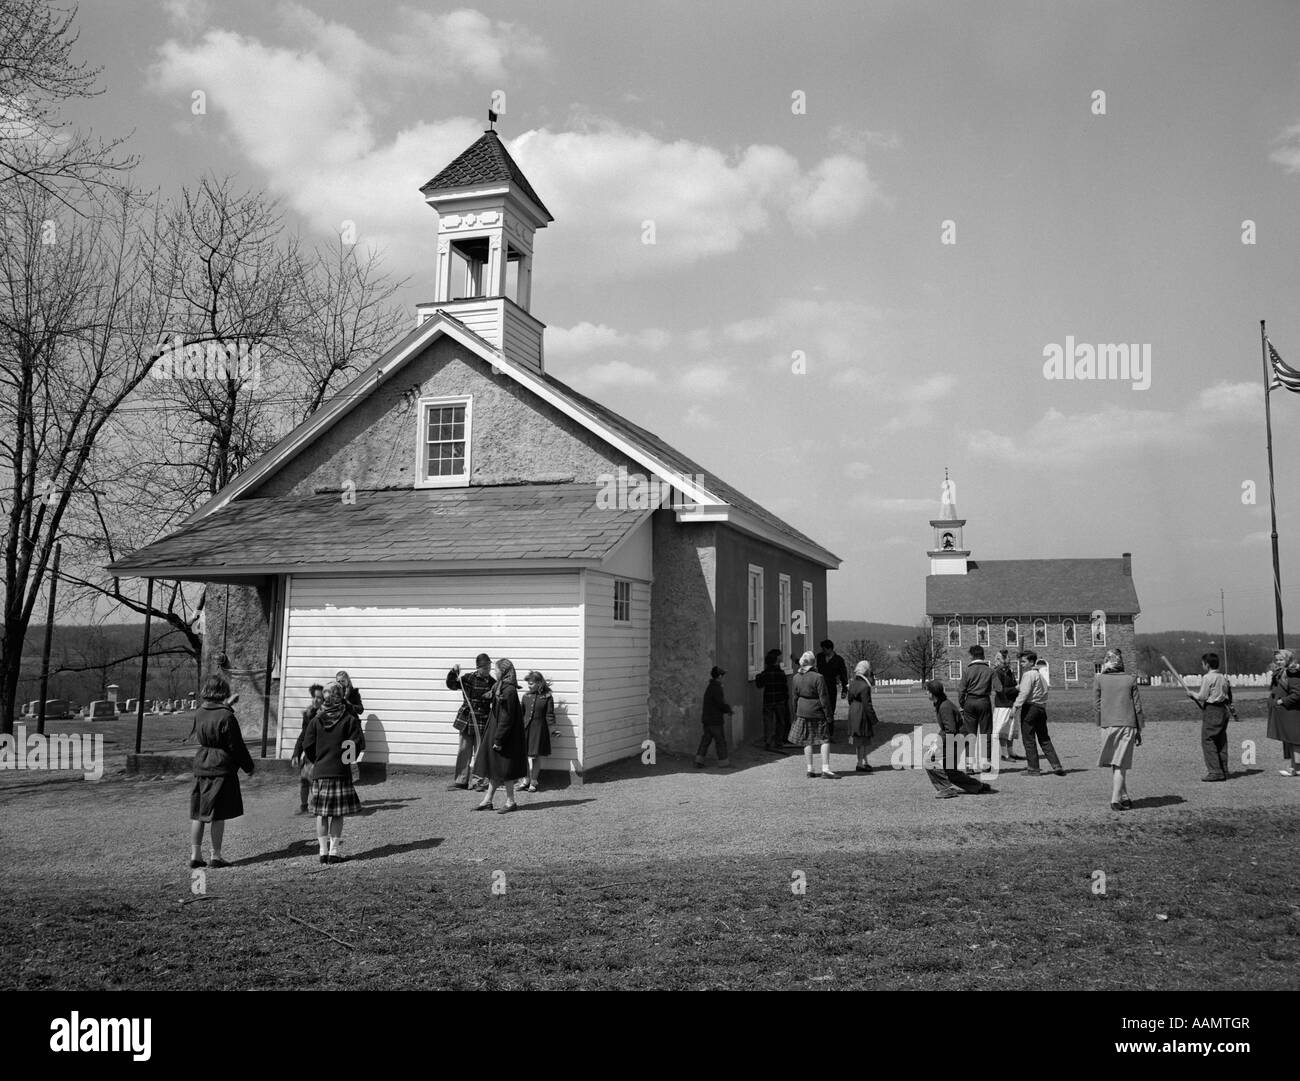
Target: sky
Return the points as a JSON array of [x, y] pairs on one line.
[[913, 202]]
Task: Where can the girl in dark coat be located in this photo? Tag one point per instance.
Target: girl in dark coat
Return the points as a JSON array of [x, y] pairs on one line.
[[1284, 708], [862, 714], [353, 698], [220, 757], [538, 716], [947, 779], [299, 760], [502, 756], [813, 711], [334, 743]]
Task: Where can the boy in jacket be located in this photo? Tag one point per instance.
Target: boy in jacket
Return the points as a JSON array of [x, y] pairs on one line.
[[713, 717]]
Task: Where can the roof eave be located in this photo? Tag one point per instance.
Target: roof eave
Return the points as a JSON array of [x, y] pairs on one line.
[[257, 571], [756, 527]]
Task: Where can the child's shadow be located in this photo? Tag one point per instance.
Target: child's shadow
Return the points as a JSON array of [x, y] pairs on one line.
[[394, 803], [1157, 801], [395, 850], [292, 850]]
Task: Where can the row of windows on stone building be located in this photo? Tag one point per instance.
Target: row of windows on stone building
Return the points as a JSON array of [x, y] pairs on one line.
[[1069, 634]]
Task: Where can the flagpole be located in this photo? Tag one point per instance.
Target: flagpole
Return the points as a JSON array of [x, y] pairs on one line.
[[1272, 499]]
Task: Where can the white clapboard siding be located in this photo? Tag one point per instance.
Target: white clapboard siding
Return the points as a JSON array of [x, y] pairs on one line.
[[397, 636], [616, 672]]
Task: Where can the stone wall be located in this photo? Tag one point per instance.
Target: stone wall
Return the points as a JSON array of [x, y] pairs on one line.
[[244, 635], [514, 436], [683, 628], [1120, 634]]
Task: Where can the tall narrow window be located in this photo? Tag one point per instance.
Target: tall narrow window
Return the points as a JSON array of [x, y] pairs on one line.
[[1040, 632], [1011, 633], [622, 601], [1099, 630], [1067, 632], [755, 620], [444, 442], [954, 632], [982, 632], [783, 617], [954, 669], [1071, 671], [808, 618]]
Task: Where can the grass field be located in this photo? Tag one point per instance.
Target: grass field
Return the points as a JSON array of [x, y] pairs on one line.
[[665, 876]]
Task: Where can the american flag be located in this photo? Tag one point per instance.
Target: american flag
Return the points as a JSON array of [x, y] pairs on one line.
[[1283, 374]]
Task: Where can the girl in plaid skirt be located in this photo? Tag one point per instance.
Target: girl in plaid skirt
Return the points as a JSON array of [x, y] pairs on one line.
[[333, 742]]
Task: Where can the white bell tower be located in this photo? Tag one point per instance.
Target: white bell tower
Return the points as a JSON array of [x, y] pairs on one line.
[[949, 555], [488, 214]]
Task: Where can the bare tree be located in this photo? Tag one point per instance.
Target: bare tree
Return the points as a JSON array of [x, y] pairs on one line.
[[866, 649], [923, 654], [78, 312], [259, 335], [37, 75]]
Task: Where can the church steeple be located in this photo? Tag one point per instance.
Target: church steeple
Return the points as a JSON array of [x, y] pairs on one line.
[[948, 556], [488, 214]]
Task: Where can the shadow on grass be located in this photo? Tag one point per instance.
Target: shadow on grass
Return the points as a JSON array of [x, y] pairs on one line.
[[392, 803], [1158, 801], [555, 803], [1242, 774], [395, 850], [292, 851]]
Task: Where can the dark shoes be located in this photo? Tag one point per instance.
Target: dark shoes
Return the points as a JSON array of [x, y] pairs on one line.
[[218, 863], [324, 859], [1059, 771], [1214, 777], [508, 808], [463, 787], [201, 863], [951, 794], [481, 807], [864, 768]]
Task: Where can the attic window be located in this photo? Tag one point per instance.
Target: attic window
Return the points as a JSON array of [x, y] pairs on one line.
[[444, 443]]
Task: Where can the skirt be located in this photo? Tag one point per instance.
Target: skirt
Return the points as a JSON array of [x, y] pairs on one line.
[[333, 797], [1118, 748], [1004, 722], [215, 799], [538, 739], [810, 731]]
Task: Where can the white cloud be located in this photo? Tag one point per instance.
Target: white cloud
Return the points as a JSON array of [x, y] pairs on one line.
[[619, 373], [858, 470], [1088, 439], [1287, 153], [583, 338], [306, 114], [706, 380], [1228, 401], [855, 141]]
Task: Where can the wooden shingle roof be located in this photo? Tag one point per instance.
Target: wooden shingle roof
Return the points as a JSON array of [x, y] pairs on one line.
[[532, 523], [485, 162], [1032, 587]]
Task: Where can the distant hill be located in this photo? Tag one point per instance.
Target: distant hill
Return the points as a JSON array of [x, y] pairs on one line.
[[889, 635]]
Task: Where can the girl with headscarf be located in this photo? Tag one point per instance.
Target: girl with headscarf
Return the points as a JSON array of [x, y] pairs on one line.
[[862, 714], [221, 755], [334, 743], [1118, 709], [538, 714], [812, 715], [502, 756], [1284, 708]]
